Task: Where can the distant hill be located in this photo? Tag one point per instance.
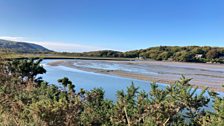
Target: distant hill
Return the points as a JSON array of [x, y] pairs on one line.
[[21, 47]]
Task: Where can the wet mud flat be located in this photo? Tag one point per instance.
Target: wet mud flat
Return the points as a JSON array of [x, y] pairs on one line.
[[203, 75]]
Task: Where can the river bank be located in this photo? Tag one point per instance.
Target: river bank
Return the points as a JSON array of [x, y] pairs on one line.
[[204, 75]]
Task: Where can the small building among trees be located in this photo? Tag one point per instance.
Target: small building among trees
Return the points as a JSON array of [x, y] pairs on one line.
[[198, 55]]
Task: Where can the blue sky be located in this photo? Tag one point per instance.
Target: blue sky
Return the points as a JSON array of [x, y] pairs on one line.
[[84, 25]]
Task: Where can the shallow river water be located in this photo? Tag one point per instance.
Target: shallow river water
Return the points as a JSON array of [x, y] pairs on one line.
[[89, 80]]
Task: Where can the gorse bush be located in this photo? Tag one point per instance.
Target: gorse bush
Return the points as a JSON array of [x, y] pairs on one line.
[[31, 101]]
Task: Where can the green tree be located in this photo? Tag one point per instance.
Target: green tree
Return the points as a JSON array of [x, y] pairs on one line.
[[65, 82], [212, 54], [216, 117], [184, 56], [26, 69], [164, 56]]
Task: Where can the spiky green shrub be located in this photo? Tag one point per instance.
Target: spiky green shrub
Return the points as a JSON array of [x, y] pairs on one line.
[[215, 117], [47, 105], [177, 104]]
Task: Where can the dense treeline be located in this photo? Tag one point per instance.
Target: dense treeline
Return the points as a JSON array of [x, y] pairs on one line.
[[25, 100], [102, 53], [171, 53], [185, 54]]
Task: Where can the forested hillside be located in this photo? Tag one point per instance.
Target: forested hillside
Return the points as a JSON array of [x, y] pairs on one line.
[[171, 53], [21, 47], [176, 53]]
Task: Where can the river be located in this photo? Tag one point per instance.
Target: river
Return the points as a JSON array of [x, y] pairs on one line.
[[89, 80]]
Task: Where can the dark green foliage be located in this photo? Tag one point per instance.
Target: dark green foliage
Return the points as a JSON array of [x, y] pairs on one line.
[[212, 54], [183, 54], [97, 110], [171, 53], [131, 54], [47, 105], [66, 83], [103, 53], [215, 118], [26, 70]]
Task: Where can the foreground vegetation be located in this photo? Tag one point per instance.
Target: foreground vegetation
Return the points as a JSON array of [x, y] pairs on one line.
[[25, 100]]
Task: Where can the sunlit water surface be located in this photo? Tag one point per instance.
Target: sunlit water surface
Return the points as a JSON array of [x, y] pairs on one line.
[[89, 80]]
